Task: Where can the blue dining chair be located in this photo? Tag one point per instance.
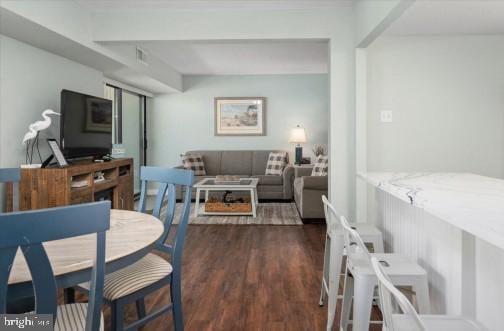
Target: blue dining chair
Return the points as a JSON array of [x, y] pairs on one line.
[[12, 175], [28, 230], [152, 272]]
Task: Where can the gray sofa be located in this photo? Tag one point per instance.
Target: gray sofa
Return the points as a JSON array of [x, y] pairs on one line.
[[247, 163], [308, 191]]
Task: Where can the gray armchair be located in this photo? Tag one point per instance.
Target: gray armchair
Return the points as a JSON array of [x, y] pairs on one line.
[[308, 191]]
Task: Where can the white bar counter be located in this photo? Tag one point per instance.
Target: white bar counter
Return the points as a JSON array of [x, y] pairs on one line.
[[470, 202], [453, 224]]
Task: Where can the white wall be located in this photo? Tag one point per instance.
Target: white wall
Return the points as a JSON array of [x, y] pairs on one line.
[[185, 121], [31, 81], [447, 98]]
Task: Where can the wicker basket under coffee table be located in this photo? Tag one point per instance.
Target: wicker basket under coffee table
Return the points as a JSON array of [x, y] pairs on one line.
[[210, 184]]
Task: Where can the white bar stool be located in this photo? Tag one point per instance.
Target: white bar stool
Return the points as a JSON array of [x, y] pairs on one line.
[[360, 279], [390, 297], [334, 252]]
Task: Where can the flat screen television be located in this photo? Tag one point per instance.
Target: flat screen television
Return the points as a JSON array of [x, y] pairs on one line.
[[86, 125]]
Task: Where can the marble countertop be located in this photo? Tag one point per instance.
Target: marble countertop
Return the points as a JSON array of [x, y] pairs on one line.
[[471, 202]]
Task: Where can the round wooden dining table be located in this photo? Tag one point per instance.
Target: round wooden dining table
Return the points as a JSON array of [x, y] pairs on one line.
[[130, 237]]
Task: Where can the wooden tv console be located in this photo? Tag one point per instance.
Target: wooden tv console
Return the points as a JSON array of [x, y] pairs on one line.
[[51, 187]]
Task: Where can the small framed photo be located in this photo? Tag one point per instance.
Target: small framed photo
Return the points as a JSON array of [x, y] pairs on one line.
[[53, 144]]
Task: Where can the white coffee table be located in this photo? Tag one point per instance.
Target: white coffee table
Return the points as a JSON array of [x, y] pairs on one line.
[[209, 184]]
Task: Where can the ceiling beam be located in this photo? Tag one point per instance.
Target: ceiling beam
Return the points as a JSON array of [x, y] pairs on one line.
[[38, 23], [373, 17], [201, 25], [21, 28]]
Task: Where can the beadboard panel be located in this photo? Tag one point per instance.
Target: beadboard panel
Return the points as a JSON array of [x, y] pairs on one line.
[[435, 244], [489, 285], [465, 273]]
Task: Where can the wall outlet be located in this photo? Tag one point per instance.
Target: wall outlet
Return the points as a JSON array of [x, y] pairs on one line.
[[386, 116]]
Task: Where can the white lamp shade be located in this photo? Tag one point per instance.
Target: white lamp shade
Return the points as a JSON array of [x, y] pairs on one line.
[[298, 135]]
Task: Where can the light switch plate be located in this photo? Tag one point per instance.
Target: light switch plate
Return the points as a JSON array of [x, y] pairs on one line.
[[386, 116]]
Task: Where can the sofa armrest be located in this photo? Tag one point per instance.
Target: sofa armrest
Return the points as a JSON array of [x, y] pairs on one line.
[[288, 182], [288, 172], [315, 182]]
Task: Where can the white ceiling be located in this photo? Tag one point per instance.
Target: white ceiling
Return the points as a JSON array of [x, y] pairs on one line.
[[242, 57], [439, 17], [105, 5], [424, 17]]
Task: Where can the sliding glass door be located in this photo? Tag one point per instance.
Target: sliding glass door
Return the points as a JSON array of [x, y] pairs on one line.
[[132, 131], [129, 126]]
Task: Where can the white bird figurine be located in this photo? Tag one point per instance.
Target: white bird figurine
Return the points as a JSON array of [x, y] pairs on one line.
[[38, 126]]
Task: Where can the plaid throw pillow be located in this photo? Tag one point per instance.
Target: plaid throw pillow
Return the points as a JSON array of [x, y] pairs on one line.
[[195, 163], [321, 166], [276, 163]]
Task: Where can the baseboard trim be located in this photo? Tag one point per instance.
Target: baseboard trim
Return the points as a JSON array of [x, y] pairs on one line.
[[313, 220], [275, 200]]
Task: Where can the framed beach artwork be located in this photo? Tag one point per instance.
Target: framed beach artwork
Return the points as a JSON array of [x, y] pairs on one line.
[[244, 116]]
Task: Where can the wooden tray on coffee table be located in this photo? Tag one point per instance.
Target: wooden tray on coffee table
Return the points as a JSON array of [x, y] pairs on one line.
[[214, 205]]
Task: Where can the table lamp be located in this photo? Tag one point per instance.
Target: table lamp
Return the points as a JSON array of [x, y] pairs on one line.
[[298, 136]]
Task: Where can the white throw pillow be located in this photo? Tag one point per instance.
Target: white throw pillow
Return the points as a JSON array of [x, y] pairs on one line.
[[195, 163], [321, 166], [276, 163]]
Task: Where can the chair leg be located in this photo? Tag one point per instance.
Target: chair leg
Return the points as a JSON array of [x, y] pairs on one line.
[[140, 307], [348, 290], [363, 297], [323, 294], [333, 277], [116, 316], [332, 300], [176, 298]]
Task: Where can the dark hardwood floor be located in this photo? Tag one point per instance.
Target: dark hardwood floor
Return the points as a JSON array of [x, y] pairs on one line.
[[239, 277]]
